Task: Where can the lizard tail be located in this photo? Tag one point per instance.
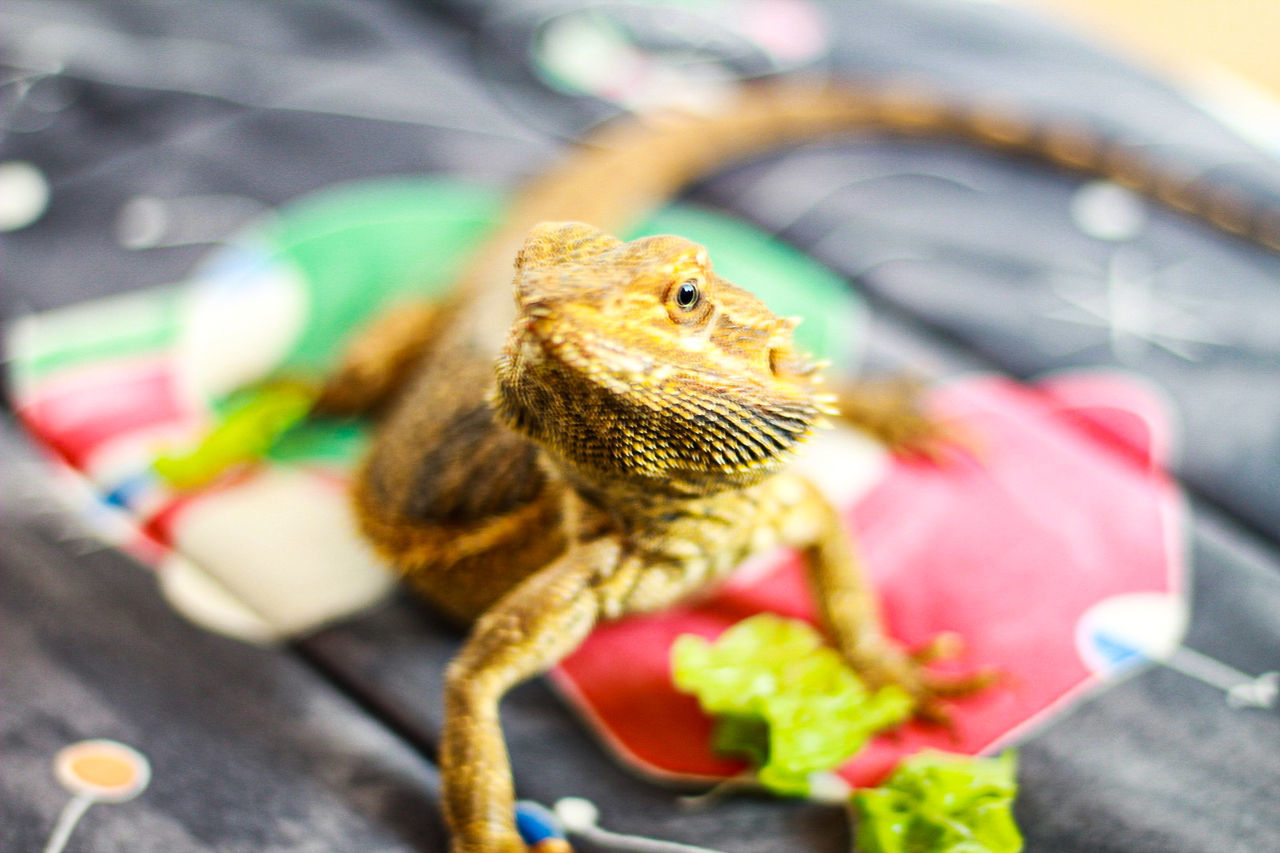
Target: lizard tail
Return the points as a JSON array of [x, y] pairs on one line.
[[629, 167]]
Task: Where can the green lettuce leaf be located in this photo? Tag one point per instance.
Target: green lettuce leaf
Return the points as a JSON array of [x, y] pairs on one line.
[[783, 699], [937, 802]]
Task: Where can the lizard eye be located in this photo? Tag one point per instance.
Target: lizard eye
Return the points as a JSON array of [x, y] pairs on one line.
[[688, 295]]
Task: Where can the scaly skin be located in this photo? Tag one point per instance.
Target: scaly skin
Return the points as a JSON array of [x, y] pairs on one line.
[[634, 449], [665, 402]]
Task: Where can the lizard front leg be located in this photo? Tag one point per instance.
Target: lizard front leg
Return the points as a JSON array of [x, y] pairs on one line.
[[850, 611], [526, 632], [892, 412]]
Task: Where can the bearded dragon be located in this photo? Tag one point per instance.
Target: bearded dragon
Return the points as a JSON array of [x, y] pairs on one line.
[[630, 446]]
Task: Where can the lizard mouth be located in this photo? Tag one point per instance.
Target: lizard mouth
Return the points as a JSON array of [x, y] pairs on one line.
[[527, 344]]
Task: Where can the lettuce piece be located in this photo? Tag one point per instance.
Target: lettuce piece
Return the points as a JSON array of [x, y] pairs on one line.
[[783, 699], [937, 802]]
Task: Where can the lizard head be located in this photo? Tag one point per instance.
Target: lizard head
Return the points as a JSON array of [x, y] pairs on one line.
[[634, 363]]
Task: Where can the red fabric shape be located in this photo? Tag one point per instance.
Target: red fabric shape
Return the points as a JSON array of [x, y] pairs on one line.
[[1008, 549]]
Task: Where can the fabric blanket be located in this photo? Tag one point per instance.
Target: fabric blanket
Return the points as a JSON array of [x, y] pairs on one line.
[[196, 198]]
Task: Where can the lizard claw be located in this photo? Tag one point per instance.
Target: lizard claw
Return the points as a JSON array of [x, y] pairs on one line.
[[935, 687], [944, 645], [891, 411], [927, 688]]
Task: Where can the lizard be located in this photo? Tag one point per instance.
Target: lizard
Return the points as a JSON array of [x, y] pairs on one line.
[[615, 437]]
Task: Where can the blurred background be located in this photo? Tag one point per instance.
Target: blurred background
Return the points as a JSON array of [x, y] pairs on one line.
[[1185, 38], [234, 183]]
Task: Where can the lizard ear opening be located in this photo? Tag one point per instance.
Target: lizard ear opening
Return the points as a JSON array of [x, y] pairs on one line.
[[777, 361], [787, 363]]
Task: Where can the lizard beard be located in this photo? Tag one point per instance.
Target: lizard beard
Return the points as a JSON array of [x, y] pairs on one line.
[[687, 434]]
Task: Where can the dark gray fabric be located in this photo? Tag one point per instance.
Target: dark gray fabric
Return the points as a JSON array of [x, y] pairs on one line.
[[1159, 763], [249, 749], [259, 102], [970, 261]]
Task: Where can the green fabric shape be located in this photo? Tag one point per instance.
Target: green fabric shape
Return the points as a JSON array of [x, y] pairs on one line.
[[783, 699], [115, 328], [361, 247], [937, 802]]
